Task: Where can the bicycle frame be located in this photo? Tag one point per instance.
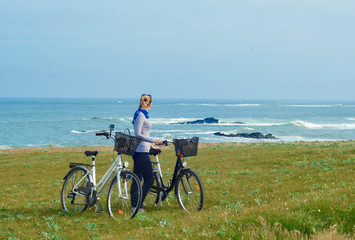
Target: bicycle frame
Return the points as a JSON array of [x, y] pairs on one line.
[[115, 166], [178, 168]]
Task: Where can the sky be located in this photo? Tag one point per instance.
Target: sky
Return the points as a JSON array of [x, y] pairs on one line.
[[235, 49]]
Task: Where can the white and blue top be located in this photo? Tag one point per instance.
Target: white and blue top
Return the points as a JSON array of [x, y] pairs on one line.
[[142, 128]]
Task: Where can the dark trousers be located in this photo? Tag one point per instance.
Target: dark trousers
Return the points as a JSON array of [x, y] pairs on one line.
[[144, 170]]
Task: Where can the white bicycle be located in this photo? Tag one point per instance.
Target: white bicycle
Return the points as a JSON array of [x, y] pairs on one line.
[[124, 195]]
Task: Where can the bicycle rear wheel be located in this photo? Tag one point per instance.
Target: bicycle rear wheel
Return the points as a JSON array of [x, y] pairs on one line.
[[72, 201], [124, 196], [189, 191], [152, 197]]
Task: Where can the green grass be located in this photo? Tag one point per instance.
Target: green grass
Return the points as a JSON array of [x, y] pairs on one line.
[[252, 191]]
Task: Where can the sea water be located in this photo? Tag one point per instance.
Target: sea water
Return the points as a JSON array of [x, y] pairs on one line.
[[44, 122]]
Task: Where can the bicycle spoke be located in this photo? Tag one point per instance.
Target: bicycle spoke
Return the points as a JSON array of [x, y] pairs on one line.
[[189, 191], [72, 201], [124, 203]]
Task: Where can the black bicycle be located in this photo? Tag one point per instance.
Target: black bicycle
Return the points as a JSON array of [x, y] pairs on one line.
[[188, 186]]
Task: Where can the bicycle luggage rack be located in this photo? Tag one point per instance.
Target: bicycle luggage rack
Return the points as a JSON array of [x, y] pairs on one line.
[[73, 165]]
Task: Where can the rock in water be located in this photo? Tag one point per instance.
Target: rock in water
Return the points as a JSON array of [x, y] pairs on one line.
[[256, 135], [206, 120]]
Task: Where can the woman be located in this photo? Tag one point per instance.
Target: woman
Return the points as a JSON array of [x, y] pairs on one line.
[[142, 126]]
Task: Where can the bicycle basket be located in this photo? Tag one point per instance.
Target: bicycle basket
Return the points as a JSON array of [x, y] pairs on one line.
[[186, 147], [126, 144]]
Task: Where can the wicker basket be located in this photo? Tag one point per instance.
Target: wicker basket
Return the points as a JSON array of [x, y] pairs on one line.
[[186, 147], [126, 144]]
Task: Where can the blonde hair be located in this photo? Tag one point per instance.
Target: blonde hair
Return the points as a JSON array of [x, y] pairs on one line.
[[145, 101]]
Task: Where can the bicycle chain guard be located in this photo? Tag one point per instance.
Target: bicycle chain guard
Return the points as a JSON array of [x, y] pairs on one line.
[[91, 198], [89, 193]]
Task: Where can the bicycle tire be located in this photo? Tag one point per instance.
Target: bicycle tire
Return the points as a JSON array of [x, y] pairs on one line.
[[152, 197], [128, 205], [72, 202], [189, 191]]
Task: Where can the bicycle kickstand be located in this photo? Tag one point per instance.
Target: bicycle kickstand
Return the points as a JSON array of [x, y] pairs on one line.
[[98, 208], [160, 199], [161, 195]]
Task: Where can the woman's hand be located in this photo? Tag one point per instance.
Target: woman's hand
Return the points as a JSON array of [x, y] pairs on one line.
[[157, 142]]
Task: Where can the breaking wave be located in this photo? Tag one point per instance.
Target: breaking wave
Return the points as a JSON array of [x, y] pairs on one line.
[[83, 131], [310, 125]]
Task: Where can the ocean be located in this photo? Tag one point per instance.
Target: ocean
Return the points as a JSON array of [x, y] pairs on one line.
[[45, 122]]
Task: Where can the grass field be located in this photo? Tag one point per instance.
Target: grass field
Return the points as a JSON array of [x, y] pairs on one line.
[[252, 191]]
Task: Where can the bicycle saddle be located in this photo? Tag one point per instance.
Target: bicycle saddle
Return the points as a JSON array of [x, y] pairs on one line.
[[91, 153], [154, 152]]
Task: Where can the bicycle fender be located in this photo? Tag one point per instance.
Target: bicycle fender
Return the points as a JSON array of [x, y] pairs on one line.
[[115, 175], [75, 168], [182, 171]]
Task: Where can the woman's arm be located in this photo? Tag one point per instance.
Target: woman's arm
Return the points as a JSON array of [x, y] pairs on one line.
[[138, 125]]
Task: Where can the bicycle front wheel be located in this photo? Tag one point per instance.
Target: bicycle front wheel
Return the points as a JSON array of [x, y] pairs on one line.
[[124, 196], [189, 191], [72, 200]]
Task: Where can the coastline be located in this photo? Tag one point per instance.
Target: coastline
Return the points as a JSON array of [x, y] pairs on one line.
[[201, 145]]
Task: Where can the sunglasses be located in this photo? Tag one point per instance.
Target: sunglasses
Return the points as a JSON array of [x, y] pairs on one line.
[[147, 95]]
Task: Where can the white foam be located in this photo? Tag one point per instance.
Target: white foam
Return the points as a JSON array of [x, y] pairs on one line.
[[250, 123], [124, 119], [75, 131], [3, 147], [170, 120], [310, 125], [292, 138], [304, 139], [351, 119], [82, 132]]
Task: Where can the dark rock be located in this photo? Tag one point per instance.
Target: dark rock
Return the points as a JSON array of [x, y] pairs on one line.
[[206, 120], [94, 118], [210, 120], [256, 135], [269, 136], [195, 122]]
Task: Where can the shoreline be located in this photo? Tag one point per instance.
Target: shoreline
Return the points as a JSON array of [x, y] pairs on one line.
[[201, 145]]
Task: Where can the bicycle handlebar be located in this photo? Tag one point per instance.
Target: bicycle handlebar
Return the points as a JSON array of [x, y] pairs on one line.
[[103, 133]]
